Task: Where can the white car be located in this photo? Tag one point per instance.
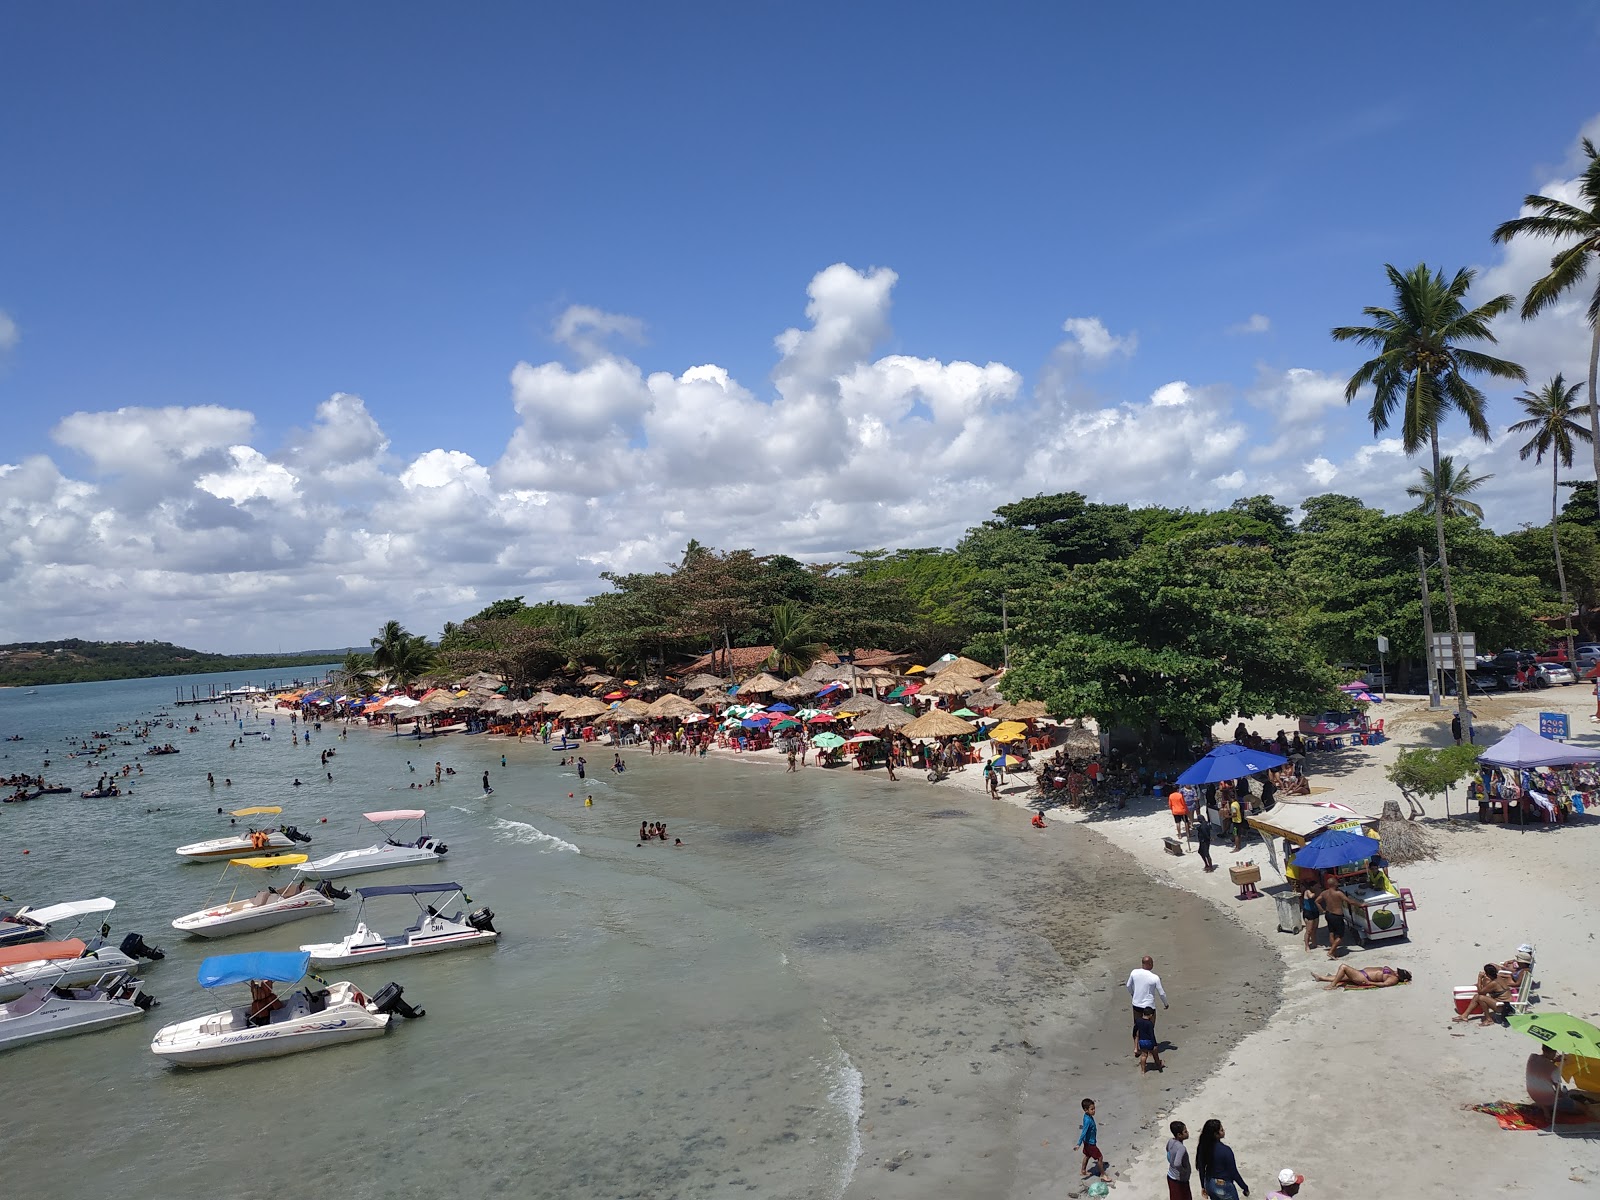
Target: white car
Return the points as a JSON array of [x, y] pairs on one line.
[[1554, 673]]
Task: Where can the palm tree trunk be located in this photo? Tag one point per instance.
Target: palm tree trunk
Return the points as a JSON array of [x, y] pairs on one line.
[[1594, 405], [1444, 575], [1561, 573]]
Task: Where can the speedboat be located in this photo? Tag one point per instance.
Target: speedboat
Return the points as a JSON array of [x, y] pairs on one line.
[[254, 840], [52, 1009], [267, 1026], [385, 854], [69, 962], [432, 930], [29, 924], [263, 909]]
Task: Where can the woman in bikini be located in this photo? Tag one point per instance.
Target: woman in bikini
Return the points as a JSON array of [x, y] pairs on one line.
[[1364, 977]]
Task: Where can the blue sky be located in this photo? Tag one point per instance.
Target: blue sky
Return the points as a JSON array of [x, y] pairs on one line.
[[224, 224]]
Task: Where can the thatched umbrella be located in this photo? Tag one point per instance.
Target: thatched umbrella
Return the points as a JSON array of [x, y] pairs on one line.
[[672, 705], [950, 685], [496, 704], [760, 685], [875, 714], [1022, 710], [964, 666], [584, 709], [702, 682], [794, 689], [937, 723], [987, 698], [633, 709], [596, 679], [1403, 841]]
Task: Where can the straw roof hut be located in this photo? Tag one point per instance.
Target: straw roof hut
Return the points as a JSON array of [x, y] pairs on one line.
[[585, 708], [496, 704], [937, 723], [760, 685], [672, 705], [702, 682], [1022, 710], [986, 698], [946, 684], [633, 708], [794, 689], [875, 714], [970, 667], [595, 679]]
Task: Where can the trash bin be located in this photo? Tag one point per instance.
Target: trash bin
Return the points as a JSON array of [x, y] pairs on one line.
[[1289, 920]]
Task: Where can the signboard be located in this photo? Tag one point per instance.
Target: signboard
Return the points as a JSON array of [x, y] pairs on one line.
[[1554, 725], [1444, 654], [1383, 644]]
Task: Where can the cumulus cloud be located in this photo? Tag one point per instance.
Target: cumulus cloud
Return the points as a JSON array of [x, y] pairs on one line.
[[1094, 343], [584, 330], [1254, 323]]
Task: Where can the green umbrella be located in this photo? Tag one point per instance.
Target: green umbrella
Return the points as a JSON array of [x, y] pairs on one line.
[[966, 712], [1562, 1033], [827, 741]]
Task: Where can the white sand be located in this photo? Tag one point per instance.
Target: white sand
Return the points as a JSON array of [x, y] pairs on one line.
[[1363, 1092]]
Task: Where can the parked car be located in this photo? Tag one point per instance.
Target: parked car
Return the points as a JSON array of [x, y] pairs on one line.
[[1550, 674], [1555, 654], [1588, 655]]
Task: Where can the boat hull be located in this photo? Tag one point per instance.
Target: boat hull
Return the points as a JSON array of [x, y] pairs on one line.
[[218, 1039], [57, 1018], [349, 953], [68, 972], [229, 919], [236, 847], [369, 859]]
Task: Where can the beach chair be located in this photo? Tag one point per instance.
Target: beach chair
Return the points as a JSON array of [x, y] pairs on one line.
[[1523, 999]]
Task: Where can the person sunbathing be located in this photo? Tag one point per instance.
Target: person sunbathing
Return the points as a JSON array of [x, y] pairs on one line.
[[1363, 977], [1493, 988]]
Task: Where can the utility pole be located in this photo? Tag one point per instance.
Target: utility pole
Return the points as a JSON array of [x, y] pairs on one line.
[[1427, 632], [1005, 629]]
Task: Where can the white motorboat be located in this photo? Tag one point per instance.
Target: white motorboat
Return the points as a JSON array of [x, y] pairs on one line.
[[52, 1009], [432, 931], [29, 924], [252, 841], [68, 963], [267, 1026], [265, 908], [391, 852]]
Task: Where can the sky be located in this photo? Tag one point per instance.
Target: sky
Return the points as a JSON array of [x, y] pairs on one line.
[[313, 316]]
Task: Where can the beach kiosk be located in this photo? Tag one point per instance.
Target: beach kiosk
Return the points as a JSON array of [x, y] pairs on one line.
[[1376, 909]]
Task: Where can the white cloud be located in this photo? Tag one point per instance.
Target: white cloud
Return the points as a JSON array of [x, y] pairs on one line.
[[1297, 396], [584, 330], [251, 477], [10, 335], [1254, 323], [1171, 395], [1094, 343]]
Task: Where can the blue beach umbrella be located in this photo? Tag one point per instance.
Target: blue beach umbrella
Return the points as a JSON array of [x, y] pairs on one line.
[[780, 708], [1231, 761], [1336, 848]]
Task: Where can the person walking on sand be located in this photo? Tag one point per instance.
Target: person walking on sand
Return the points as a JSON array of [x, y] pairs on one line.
[[1202, 831], [1179, 807], [1144, 985], [1219, 1173], [1455, 728], [1089, 1138], [1178, 1168], [1309, 913], [1333, 904]]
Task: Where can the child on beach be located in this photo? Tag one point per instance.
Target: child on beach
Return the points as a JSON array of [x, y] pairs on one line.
[[1144, 1032], [1088, 1138]]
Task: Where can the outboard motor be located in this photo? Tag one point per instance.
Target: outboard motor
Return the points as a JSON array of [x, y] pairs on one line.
[[325, 886], [433, 844], [294, 835], [389, 1001], [144, 1001], [482, 920], [135, 946]]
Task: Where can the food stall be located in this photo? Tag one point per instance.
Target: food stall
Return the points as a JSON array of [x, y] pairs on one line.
[[1376, 909]]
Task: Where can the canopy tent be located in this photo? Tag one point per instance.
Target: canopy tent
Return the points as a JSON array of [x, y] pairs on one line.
[[1335, 848], [41, 952], [1522, 747], [280, 966], [1297, 822], [759, 685], [400, 701], [396, 814], [1230, 761], [1008, 731], [406, 889], [51, 913], [938, 723]]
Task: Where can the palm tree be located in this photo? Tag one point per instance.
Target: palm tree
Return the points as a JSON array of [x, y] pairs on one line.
[[1552, 422], [355, 674], [1579, 228], [1420, 369], [400, 655], [1450, 490], [794, 646]]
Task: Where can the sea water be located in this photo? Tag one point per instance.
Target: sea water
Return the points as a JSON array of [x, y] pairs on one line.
[[837, 986]]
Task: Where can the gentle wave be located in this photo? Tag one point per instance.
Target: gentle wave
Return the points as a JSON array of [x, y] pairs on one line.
[[521, 831], [847, 1096]]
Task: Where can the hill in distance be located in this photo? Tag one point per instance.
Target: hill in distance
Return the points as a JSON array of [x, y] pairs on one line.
[[28, 664]]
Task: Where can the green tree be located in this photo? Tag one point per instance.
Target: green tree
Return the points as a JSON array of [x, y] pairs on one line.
[[401, 656], [1577, 229], [1450, 490], [1429, 772], [1181, 633], [519, 653], [794, 648], [1553, 428], [354, 675], [1420, 370]]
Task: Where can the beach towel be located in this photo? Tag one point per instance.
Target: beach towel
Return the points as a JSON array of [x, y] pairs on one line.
[[1528, 1116]]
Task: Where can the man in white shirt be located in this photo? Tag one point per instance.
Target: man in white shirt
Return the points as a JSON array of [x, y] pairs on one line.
[[1144, 985]]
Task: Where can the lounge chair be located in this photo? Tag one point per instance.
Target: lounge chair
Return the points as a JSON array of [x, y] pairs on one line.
[[1522, 999]]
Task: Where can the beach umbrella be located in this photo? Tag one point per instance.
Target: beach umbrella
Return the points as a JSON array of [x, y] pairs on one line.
[[1230, 761], [1336, 848], [1562, 1033], [967, 713], [938, 723], [829, 690], [781, 708], [1008, 762], [821, 719], [786, 723], [618, 695], [1009, 731], [827, 741], [861, 738]]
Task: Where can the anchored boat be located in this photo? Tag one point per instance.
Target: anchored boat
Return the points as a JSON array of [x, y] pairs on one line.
[[69, 962], [265, 908], [432, 931], [267, 1026], [30, 924], [51, 1008], [252, 841], [386, 854]]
